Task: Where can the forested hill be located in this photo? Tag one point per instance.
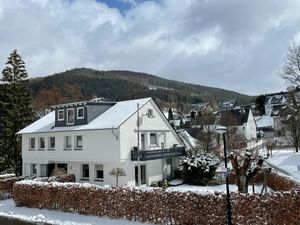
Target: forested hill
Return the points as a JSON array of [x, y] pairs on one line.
[[82, 83]]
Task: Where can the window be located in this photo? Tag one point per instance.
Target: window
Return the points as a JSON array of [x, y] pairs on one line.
[[99, 172], [33, 170], [31, 143], [70, 116], [85, 171], [68, 142], [41, 143], [43, 172], [153, 139], [80, 113], [51, 142], [78, 142], [150, 113], [61, 115]]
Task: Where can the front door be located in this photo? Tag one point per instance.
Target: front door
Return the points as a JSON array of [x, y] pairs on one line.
[[142, 175]]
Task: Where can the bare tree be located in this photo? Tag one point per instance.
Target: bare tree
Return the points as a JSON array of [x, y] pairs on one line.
[[291, 68], [117, 172], [243, 169], [207, 136]]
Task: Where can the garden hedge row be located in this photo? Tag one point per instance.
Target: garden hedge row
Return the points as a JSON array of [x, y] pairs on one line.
[[159, 206]]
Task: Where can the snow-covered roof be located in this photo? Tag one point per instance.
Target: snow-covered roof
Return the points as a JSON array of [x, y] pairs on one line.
[[111, 118], [264, 121], [188, 139]]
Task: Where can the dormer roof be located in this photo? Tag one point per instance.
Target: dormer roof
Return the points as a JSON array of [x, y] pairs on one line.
[[110, 119]]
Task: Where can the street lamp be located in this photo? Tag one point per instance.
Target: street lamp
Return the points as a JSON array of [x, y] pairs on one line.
[[222, 130]]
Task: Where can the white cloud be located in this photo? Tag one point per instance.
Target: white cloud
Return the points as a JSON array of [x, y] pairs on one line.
[[219, 43]]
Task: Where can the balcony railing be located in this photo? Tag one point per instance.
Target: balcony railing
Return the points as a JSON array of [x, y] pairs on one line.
[[157, 154]]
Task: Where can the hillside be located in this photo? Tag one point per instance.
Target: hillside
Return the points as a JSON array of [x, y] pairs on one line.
[[121, 85]]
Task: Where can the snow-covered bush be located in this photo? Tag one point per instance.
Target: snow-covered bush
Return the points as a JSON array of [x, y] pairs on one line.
[[198, 168]]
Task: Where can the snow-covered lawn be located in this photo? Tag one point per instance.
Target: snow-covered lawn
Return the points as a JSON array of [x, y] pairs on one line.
[[288, 161], [8, 209], [204, 190]]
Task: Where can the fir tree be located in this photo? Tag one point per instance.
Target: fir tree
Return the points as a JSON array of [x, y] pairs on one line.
[[170, 115], [16, 111]]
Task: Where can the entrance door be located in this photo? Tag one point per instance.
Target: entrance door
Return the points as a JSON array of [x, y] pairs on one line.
[[142, 175]]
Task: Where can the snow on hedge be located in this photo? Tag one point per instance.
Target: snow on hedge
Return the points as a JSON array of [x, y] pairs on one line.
[[8, 175], [205, 161]]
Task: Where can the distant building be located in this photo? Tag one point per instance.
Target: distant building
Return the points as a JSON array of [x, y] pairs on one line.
[[228, 104]]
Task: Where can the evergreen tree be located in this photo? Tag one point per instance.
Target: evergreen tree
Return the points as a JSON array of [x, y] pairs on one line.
[[170, 115], [16, 111]]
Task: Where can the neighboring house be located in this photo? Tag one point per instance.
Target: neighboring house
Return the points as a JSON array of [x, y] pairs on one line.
[[275, 102], [228, 104], [265, 126], [91, 138], [201, 107], [176, 123], [243, 120]]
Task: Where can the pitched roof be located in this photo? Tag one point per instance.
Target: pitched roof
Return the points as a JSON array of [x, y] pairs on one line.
[[111, 118]]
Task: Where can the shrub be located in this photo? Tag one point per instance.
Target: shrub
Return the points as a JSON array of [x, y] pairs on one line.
[[199, 168]]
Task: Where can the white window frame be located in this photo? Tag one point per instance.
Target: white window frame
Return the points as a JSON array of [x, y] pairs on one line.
[[82, 177], [96, 178], [156, 139], [30, 147], [68, 110], [77, 110], [40, 147], [63, 115], [76, 142], [65, 143], [49, 143]]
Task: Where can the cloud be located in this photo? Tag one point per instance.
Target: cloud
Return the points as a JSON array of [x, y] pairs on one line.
[[238, 45]]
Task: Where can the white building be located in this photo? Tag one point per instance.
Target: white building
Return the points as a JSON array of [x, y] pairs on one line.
[[91, 138]]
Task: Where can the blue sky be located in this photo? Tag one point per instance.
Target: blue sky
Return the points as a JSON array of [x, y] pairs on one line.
[[119, 4], [235, 45]]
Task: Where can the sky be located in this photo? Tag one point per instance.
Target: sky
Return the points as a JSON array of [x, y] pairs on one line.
[[231, 44]]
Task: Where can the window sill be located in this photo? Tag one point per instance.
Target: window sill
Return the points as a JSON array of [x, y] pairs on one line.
[[31, 149], [85, 179], [51, 149], [67, 149], [99, 180], [41, 149], [78, 149]]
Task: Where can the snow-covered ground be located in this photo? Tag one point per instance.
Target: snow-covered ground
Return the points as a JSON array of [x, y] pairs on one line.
[[287, 160], [204, 190], [8, 209]]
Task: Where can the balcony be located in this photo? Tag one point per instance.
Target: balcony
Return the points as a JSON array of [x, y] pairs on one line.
[[157, 154]]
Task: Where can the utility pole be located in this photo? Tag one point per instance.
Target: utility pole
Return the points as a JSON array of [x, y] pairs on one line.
[[138, 145]]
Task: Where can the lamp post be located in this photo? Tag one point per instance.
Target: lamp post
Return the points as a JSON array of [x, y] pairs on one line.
[[222, 130]]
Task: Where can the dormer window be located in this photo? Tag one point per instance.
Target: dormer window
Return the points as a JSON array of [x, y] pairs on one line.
[[80, 113], [60, 115], [70, 116]]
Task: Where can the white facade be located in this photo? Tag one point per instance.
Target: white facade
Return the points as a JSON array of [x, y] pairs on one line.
[[103, 144]]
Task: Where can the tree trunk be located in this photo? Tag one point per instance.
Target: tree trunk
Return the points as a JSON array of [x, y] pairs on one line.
[[117, 181], [242, 183]]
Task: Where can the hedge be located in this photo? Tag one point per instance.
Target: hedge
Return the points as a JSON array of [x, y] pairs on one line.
[[156, 205]]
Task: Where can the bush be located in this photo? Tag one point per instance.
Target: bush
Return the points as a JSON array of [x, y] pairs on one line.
[[199, 168]]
